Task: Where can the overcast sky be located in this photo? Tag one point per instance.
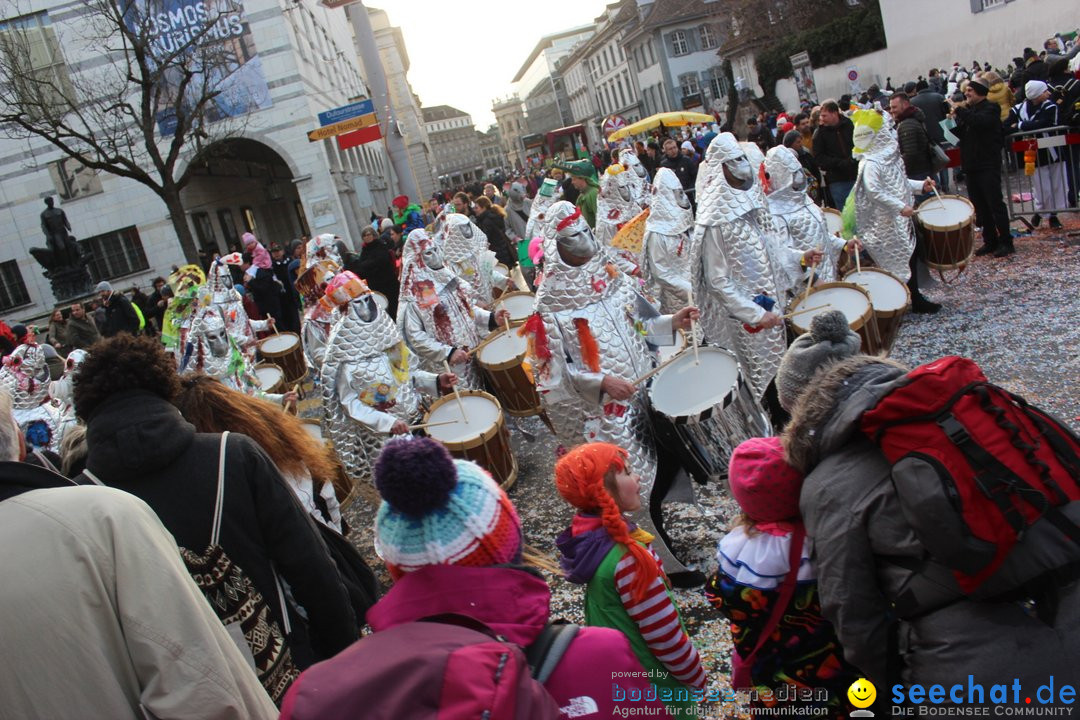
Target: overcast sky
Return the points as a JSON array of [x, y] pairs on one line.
[[466, 54]]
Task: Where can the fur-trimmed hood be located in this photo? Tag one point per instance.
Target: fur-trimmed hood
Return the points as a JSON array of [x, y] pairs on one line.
[[828, 412]]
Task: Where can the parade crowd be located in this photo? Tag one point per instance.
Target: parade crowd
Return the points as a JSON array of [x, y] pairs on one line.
[[690, 308]]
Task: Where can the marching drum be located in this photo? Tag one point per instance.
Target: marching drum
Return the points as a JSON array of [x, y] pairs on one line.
[[287, 352], [889, 297], [703, 411], [833, 220], [849, 299], [479, 436], [950, 232], [519, 304], [313, 428], [271, 378], [503, 359]]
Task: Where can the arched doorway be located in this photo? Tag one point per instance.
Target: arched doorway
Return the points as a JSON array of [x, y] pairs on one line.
[[240, 185]]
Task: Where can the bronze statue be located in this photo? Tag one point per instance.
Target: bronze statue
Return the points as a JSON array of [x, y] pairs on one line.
[[64, 262]]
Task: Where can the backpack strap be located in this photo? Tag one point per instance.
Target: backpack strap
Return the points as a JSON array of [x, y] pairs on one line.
[[215, 530], [545, 652]]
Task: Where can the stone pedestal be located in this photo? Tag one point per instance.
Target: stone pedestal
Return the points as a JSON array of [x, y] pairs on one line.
[[70, 281]]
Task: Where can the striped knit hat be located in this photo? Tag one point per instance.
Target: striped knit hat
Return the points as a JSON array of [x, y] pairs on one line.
[[440, 511]]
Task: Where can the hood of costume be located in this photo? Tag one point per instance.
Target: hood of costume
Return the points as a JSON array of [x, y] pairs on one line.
[[638, 178], [467, 253], [322, 247], [669, 207], [212, 349], [615, 203], [548, 193], [25, 375], [792, 208]]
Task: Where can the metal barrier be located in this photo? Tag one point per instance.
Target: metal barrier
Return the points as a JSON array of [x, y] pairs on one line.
[[1041, 169]]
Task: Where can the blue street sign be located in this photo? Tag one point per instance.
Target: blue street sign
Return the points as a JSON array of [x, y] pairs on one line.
[[346, 112]]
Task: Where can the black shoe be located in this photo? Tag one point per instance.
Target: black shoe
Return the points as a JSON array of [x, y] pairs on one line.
[[688, 579], [921, 305], [1005, 250], [1036, 220], [986, 249], [1054, 222]]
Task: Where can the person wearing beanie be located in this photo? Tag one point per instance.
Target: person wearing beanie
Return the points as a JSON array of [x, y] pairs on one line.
[[1050, 188], [451, 540], [830, 339], [754, 570], [625, 585], [407, 215], [120, 315], [979, 129]]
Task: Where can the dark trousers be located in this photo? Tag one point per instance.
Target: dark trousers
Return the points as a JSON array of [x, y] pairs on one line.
[[984, 191]]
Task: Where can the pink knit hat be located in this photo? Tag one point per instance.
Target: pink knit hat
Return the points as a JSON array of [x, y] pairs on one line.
[[764, 485]]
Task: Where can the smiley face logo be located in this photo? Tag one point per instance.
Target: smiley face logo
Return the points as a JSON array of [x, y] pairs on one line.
[[862, 693]]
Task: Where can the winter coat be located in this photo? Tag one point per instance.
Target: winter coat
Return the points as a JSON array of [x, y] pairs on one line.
[[494, 226], [832, 151], [1003, 97], [914, 143], [871, 567], [139, 443], [514, 603], [978, 127], [107, 621], [1035, 70], [1031, 117], [934, 110], [119, 316], [375, 264], [685, 169], [517, 217]]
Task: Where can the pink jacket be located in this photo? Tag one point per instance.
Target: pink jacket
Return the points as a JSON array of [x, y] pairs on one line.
[[514, 603]]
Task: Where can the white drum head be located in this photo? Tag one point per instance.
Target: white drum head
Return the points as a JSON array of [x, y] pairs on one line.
[[849, 301], [886, 292], [685, 388], [505, 346], [313, 429], [520, 307], [279, 343], [834, 221], [947, 213], [269, 376], [482, 414]]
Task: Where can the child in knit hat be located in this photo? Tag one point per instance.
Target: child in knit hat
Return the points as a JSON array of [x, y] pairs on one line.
[[625, 586], [780, 635]]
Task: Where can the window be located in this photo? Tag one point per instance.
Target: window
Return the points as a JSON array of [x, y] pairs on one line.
[[249, 219], [718, 84], [73, 180], [228, 227], [622, 94], [114, 254], [987, 4], [12, 288], [708, 37], [689, 84], [652, 53], [679, 46], [32, 51], [204, 231]]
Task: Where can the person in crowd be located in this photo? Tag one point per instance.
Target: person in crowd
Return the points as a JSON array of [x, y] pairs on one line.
[[452, 542], [290, 301], [139, 442], [1034, 67], [1000, 94], [493, 195], [518, 207], [155, 310], [936, 82], [805, 128], [96, 311], [397, 240], [587, 186], [911, 136], [795, 141], [979, 129], [1039, 112], [665, 253], [626, 588], [462, 204], [120, 316], [687, 149], [765, 562], [259, 278], [653, 156], [80, 331], [407, 215], [375, 266], [684, 168], [56, 335], [832, 152], [491, 219], [139, 638], [898, 610]]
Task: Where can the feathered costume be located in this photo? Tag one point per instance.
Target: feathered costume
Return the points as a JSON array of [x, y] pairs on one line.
[[25, 375], [666, 245], [435, 313], [737, 255], [469, 257]]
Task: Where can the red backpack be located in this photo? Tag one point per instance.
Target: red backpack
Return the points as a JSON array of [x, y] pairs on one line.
[[973, 465]]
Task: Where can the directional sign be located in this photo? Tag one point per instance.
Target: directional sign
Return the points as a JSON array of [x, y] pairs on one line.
[[346, 112], [329, 131]]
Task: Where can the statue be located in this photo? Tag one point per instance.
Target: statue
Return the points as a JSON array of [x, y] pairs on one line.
[[64, 262]]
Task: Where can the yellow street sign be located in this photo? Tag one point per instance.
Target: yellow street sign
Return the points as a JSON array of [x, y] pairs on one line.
[[329, 131]]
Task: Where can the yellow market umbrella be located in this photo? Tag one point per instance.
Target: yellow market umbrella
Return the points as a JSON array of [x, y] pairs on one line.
[[666, 119]]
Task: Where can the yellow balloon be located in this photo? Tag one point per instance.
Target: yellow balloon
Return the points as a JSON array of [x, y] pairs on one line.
[[862, 693]]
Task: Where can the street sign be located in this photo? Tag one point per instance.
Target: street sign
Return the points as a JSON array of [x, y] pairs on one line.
[[329, 131], [346, 112], [853, 75], [358, 137]]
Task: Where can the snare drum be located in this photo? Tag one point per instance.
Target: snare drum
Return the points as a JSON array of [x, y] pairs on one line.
[[519, 304], [271, 378], [483, 439], [849, 299], [702, 410], [890, 298], [503, 359], [833, 220], [286, 351], [313, 428], [950, 232]]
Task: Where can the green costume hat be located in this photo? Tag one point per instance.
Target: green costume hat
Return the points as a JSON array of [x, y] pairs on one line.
[[580, 168]]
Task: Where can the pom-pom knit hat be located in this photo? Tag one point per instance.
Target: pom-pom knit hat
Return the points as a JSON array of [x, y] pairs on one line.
[[829, 339], [440, 511], [765, 486]]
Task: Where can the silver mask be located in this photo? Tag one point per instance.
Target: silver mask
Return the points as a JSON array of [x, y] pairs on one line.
[[739, 173], [218, 340], [433, 257]]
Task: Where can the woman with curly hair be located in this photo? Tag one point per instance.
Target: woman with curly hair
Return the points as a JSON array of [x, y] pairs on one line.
[[138, 442]]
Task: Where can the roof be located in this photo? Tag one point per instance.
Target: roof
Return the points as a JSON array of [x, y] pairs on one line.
[[546, 42], [441, 112], [669, 12]]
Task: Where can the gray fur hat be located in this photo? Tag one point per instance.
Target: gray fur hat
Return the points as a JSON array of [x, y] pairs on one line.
[[830, 339]]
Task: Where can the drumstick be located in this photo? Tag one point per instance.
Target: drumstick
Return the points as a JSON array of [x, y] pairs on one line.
[[805, 310], [486, 341], [506, 322], [693, 324], [809, 283], [288, 405], [273, 325], [943, 206], [656, 369], [858, 262], [461, 405], [421, 426]]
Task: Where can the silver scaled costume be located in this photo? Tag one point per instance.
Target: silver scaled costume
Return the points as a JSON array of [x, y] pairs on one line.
[[211, 349], [638, 179], [317, 319], [665, 250], [548, 194], [228, 302], [62, 391], [467, 254], [794, 211], [881, 192], [435, 312], [322, 247], [596, 305], [615, 203], [368, 384], [25, 375], [736, 255]]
